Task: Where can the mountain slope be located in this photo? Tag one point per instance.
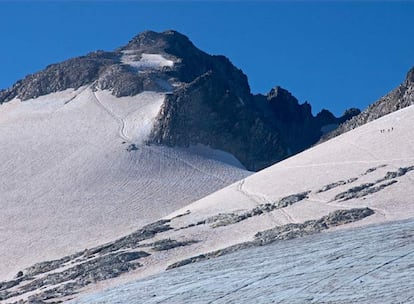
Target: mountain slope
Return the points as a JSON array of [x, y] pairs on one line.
[[96, 147], [298, 197], [209, 100], [360, 178], [75, 173]]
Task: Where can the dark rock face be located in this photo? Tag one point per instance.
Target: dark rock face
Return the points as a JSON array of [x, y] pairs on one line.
[[212, 111], [299, 129], [295, 121], [399, 98], [213, 106], [72, 73]]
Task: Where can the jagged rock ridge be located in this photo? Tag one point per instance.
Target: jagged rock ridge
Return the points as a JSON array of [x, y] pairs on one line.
[[208, 102], [298, 127], [399, 98]]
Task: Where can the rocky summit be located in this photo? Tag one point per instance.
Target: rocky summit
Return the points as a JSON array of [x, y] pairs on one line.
[[209, 100]]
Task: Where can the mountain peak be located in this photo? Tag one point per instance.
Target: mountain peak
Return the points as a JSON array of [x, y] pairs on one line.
[[209, 100], [169, 41]]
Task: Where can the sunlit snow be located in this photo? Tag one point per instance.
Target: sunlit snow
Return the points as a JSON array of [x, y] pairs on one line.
[[364, 155], [69, 182], [145, 61]]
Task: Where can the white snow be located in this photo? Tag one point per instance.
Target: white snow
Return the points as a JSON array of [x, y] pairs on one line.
[[103, 192], [136, 114], [145, 61], [347, 156], [69, 183]]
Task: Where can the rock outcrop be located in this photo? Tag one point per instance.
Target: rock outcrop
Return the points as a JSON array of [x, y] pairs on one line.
[[216, 112], [299, 129]]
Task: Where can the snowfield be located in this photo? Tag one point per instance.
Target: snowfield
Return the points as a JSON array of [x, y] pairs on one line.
[[88, 190], [71, 178], [375, 163]]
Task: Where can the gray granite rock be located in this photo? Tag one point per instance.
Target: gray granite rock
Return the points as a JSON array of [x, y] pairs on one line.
[[298, 127], [336, 184], [217, 111], [362, 190], [168, 244]]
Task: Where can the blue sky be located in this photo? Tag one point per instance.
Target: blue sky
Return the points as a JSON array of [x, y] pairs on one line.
[[334, 54]]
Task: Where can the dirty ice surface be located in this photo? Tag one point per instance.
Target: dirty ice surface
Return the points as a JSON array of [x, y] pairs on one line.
[[363, 265]]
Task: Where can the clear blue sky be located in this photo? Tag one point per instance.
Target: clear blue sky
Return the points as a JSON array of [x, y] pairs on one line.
[[333, 54]]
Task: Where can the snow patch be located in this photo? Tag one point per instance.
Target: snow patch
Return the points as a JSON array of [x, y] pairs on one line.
[[145, 61]]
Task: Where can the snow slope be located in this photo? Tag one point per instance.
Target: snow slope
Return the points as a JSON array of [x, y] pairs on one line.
[[386, 144], [363, 156], [371, 166], [71, 178]]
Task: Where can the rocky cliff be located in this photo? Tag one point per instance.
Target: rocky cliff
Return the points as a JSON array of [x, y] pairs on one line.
[[299, 129]]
